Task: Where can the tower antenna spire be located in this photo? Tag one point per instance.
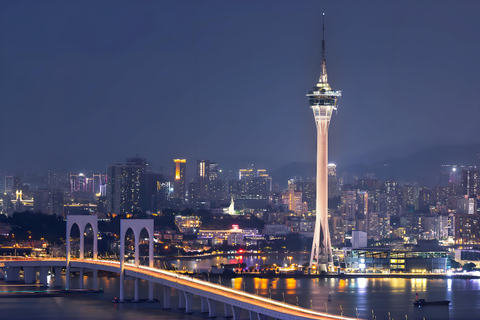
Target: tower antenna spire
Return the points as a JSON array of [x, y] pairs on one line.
[[323, 72], [323, 37]]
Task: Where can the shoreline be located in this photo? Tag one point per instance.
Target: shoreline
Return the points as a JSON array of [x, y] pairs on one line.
[[340, 276]]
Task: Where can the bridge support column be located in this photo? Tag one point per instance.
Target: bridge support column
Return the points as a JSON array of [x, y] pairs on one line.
[[29, 274], [166, 297], [13, 274], [44, 275], [228, 310], [252, 315], [136, 290], [203, 305], [95, 279], [150, 291], [262, 317], [212, 308], [181, 299], [58, 276], [80, 280], [122, 289], [188, 302], [236, 312]]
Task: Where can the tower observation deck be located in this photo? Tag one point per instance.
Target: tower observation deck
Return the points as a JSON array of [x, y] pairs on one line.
[[322, 100]]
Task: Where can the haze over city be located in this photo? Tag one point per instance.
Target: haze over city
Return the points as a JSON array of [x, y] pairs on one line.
[[86, 84]]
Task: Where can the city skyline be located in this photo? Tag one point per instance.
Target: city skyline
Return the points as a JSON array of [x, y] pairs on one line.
[[95, 91]]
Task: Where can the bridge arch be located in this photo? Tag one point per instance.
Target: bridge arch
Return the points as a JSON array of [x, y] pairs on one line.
[[136, 225], [82, 222]]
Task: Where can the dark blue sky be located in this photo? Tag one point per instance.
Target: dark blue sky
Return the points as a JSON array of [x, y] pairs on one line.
[[87, 83]]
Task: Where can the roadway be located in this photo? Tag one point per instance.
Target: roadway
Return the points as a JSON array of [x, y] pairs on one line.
[[219, 293]]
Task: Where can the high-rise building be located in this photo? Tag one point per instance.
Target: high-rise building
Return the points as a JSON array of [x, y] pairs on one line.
[[470, 181], [203, 178], [293, 199], [322, 100], [333, 190], [348, 207], [123, 186], [48, 201], [179, 184], [9, 184]]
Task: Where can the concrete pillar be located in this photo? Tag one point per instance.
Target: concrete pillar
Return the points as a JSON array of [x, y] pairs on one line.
[[29, 274], [95, 279], [80, 280], [67, 276], [236, 312], [212, 308], [252, 315], [67, 255], [151, 245], [58, 276], [136, 290], [181, 299], [166, 297], [12, 274], [150, 291], [82, 244], [95, 242], [122, 289], [203, 305], [137, 250], [44, 275], [188, 302], [262, 317], [228, 310]]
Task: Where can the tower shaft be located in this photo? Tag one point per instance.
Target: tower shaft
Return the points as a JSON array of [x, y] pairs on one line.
[[323, 100]]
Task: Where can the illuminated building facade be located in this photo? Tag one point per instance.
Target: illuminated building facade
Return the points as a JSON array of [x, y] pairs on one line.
[[203, 178], [179, 184], [322, 100]]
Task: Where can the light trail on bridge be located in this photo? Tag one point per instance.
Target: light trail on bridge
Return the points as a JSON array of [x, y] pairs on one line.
[[143, 272]]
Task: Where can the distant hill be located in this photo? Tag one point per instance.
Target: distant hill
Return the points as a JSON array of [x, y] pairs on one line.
[[422, 166]]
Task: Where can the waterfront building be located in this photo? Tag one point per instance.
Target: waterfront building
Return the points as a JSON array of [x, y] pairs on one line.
[[322, 100], [233, 236], [188, 225], [385, 260], [467, 229], [467, 256]]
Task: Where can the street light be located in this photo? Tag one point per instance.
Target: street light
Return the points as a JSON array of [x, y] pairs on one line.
[[290, 260], [264, 258]]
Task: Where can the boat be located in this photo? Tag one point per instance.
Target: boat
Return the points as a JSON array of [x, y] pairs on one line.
[[423, 302]]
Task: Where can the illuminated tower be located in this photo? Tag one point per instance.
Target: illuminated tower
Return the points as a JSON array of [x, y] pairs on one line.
[[179, 176], [323, 100]]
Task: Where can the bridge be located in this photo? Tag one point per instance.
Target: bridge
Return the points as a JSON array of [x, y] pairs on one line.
[[210, 294]]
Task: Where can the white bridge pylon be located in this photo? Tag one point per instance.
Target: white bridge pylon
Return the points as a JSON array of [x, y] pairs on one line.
[[82, 222], [136, 225]]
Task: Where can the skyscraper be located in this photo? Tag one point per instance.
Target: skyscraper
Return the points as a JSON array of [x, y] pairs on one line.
[[179, 184], [322, 100], [203, 178], [123, 186]]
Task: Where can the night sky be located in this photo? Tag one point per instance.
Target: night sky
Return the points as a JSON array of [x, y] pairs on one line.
[[84, 84]]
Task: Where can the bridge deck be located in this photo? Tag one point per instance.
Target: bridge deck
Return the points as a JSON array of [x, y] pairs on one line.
[[188, 284]]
